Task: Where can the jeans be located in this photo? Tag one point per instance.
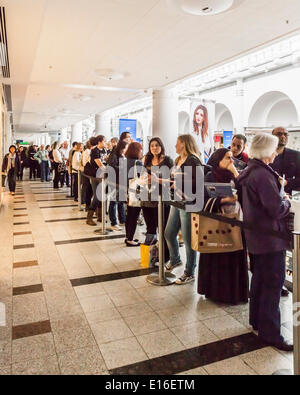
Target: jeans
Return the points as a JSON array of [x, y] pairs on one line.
[[75, 185], [113, 206], [95, 202], [267, 281], [179, 219], [44, 170]]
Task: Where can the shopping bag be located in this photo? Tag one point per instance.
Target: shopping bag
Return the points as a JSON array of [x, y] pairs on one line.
[[149, 255], [212, 236], [134, 191]]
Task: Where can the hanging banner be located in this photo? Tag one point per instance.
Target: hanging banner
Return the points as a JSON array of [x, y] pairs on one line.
[[128, 125], [227, 138], [203, 125]]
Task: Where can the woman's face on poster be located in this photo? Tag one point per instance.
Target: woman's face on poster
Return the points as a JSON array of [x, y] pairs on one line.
[[199, 117]]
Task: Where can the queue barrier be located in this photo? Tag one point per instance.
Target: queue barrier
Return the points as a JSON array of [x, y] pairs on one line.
[[163, 278]]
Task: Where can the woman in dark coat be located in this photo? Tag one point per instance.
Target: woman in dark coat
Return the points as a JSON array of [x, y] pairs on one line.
[[157, 159], [22, 159], [33, 163], [11, 167], [265, 207], [223, 277], [114, 160]]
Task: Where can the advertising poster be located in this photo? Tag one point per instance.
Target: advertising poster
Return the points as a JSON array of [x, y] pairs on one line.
[[203, 126], [227, 138], [128, 125]]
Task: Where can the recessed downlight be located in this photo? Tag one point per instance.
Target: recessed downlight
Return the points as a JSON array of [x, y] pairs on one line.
[[203, 7], [110, 74]]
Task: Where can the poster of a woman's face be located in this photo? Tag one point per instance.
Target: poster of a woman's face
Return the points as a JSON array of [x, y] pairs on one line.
[[201, 127], [201, 122]]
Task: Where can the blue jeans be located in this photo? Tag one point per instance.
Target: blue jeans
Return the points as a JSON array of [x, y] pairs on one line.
[[113, 210], [44, 170], [267, 281], [179, 219]]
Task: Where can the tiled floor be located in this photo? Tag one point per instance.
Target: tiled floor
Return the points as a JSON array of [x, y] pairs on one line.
[[65, 314]]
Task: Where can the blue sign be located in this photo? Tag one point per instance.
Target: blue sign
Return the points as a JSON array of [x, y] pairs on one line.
[[128, 125], [227, 139]]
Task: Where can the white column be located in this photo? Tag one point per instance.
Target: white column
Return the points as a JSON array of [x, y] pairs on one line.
[[47, 139], [63, 135], [239, 122], [76, 132], [7, 134], [97, 124], [165, 118], [102, 125]]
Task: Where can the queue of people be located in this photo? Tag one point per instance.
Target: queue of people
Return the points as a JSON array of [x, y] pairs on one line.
[[258, 181]]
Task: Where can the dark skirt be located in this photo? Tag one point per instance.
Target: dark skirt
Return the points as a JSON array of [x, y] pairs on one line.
[[223, 278]]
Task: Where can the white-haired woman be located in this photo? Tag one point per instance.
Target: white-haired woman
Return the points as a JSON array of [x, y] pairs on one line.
[[265, 208]]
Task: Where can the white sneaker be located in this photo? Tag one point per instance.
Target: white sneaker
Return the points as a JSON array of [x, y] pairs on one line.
[[185, 279], [115, 227]]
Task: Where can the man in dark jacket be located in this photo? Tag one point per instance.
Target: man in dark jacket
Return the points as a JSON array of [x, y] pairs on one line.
[[237, 148], [287, 162], [266, 211]]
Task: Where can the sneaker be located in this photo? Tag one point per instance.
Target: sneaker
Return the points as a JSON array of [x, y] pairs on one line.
[[169, 267], [115, 227], [185, 279]]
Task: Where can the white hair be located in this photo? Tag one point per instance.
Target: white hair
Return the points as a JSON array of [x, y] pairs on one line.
[[263, 146]]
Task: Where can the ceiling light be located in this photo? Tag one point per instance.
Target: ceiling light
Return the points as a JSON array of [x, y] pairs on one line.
[[110, 74], [203, 7], [83, 98]]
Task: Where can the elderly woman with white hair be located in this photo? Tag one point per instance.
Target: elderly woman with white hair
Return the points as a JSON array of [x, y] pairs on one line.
[[265, 208]]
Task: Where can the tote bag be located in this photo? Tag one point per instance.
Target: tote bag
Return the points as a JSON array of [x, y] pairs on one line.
[[212, 236], [133, 190]]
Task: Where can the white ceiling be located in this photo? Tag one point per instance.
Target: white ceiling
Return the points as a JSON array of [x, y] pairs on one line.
[[53, 43]]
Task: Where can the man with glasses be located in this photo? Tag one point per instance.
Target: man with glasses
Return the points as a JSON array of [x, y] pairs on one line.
[[287, 164]]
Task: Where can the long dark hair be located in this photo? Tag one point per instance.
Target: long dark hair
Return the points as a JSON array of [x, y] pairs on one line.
[[120, 147], [221, 175], [204, 129], [149, 156]]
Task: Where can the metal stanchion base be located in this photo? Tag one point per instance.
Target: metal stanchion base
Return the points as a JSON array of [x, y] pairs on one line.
[[283, 372], [155, 280], [101, 232]]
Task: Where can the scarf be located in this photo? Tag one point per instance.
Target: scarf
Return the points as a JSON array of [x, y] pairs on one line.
[[11, 161]]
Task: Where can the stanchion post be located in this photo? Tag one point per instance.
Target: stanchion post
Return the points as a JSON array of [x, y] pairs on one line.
[[103, 230], [163, 278], [79, 191], [71, 183], [296, 302]]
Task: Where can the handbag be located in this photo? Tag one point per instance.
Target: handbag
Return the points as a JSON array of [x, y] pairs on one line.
[[213, 236], [62, 167], [134, 190]]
